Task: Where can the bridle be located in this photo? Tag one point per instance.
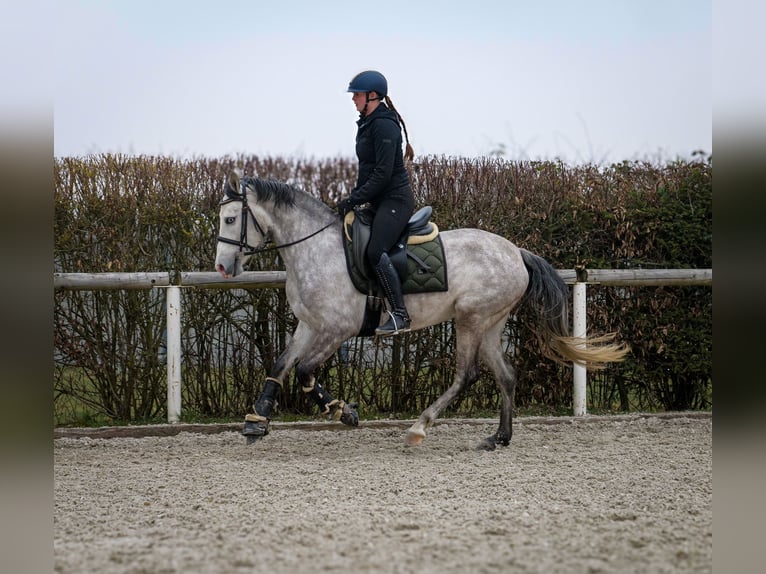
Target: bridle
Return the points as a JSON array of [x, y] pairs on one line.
[[244, 247]]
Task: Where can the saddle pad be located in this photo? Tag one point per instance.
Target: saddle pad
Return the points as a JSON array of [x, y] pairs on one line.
[[417, 280]]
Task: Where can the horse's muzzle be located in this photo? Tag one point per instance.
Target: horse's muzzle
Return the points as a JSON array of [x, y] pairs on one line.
[[227, 273]]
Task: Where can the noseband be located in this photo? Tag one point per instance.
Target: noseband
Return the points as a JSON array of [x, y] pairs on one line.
[[244, 247]]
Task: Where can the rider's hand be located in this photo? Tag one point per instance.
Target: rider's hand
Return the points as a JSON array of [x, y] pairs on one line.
[[344, 207]]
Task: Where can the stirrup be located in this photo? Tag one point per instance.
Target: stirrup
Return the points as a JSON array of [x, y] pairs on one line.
[[397, 323]]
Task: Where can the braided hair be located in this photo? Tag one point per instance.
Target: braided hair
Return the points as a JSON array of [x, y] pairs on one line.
[[409, 153]]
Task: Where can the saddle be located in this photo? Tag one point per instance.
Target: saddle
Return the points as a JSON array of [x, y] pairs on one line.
[[418, 255]]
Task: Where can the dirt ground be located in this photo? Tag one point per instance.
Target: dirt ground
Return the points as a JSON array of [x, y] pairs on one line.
[[616, 494]]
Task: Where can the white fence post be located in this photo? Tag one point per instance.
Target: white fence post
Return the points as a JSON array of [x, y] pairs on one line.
[[174, 353], [580, 374]]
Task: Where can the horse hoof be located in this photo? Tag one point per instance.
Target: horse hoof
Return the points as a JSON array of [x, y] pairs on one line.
[[487, 444], [414, 438], [255, 430], [250, 439], [349, 416]]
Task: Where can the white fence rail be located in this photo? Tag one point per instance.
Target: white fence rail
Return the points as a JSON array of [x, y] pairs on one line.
[[174, 282]]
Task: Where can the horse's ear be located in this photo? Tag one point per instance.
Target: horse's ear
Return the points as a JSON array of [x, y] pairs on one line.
[[234, 177]]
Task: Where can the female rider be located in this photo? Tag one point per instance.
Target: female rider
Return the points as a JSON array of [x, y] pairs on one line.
[[384, 183]]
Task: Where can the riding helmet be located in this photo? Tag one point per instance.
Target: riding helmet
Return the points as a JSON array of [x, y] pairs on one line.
[[369, 81]]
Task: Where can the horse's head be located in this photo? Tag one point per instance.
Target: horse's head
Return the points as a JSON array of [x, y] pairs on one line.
[[239, 233]]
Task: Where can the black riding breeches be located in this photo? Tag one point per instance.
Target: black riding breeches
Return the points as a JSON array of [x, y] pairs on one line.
[[391, 218]]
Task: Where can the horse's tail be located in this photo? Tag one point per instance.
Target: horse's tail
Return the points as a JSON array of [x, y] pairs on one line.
[[548, 296]]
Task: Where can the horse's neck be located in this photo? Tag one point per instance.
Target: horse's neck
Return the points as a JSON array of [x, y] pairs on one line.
[[302, 227]]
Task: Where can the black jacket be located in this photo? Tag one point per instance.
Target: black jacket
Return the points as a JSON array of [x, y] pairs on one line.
[[382, 173]]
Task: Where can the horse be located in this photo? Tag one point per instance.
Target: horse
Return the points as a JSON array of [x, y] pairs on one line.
[[489, 277]]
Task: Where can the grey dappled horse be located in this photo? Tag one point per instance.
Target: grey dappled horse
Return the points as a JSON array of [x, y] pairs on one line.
[[488, 277]]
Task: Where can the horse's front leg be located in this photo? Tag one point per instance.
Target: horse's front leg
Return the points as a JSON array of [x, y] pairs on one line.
[[335, 409], [257, 423], [307, 350]]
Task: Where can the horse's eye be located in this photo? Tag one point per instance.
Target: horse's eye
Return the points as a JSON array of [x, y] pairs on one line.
[[230, 220]]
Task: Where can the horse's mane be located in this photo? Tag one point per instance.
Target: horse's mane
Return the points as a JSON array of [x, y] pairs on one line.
[[273, 191], [282, 194]]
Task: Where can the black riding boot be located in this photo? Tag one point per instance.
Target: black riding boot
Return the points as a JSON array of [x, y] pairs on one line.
[[399, 320]]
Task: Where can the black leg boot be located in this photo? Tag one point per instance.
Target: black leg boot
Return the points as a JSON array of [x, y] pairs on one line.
[[399, 320], [257, 425], [334, 409]]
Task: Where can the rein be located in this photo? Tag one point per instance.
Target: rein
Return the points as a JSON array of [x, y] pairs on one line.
[[244, 247]]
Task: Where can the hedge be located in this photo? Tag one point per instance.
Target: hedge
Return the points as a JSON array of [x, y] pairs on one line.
[[125, 213]]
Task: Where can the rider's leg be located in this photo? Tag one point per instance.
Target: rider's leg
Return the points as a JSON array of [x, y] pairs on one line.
[[387, 227], [399, 319]]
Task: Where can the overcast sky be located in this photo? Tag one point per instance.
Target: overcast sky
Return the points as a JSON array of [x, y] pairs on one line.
[[585, 81]]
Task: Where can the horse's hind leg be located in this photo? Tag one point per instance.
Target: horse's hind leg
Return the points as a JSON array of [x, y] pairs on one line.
[[466, 373], [491, 353]]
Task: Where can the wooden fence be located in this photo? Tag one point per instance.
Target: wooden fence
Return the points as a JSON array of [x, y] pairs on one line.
[[174, 282]]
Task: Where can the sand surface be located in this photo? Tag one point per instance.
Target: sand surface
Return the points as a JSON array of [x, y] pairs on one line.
[[621, 494]]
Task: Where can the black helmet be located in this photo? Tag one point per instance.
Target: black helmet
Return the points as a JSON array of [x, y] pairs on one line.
[[369, 81]]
